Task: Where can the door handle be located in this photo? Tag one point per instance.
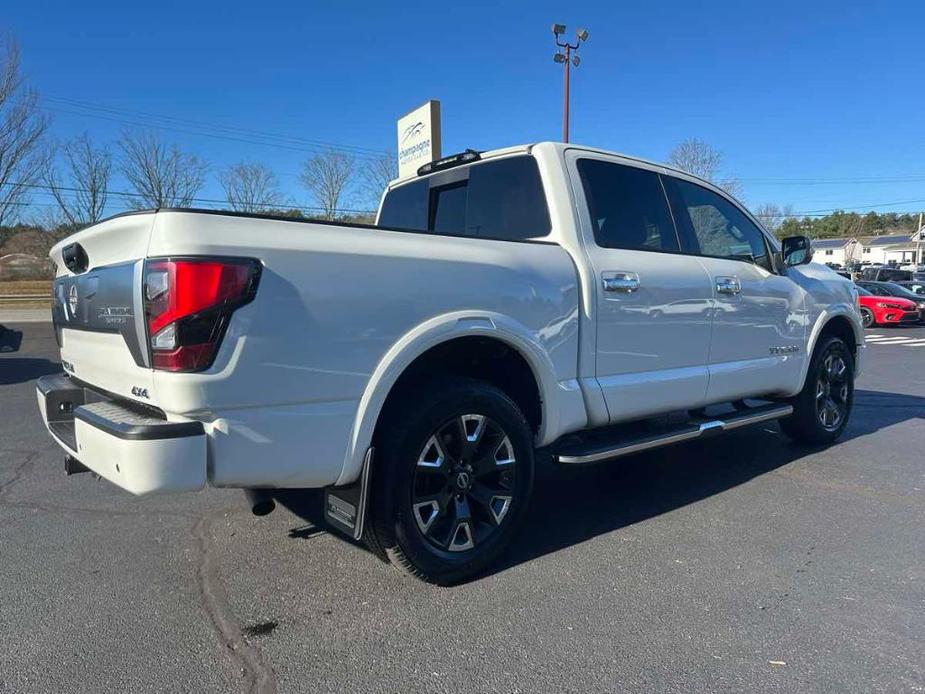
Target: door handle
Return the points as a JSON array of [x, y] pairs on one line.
[[728, 285], [622, 282]]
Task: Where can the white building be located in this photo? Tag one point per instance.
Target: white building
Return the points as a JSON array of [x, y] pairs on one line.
[[895, 249], [839, 251]]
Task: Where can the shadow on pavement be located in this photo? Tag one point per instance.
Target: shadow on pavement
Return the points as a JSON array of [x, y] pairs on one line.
[[23, 369], [571, 505]]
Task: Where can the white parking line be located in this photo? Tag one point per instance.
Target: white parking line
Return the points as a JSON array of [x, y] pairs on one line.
[[898, 340]]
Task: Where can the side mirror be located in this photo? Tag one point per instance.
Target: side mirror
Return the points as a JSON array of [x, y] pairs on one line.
[[796, 250]]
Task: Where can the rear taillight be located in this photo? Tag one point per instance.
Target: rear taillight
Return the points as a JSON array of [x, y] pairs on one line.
[[188, 303]]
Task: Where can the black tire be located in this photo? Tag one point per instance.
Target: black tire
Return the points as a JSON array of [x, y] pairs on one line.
[[822, 409], [867, 317], [422, 515]]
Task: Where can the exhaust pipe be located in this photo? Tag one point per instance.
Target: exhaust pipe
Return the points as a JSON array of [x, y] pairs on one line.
[[260, 501]]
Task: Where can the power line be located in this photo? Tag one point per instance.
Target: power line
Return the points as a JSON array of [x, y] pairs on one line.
[[316, 149], [840, 179], [217, 136], [129, 194], [366, 151], [860, 208]]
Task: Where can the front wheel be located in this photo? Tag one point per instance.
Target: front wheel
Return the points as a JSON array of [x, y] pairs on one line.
[[452, 479], [867, 317], [821, 410]]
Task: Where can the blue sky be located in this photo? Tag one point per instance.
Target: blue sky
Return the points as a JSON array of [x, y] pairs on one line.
[[816, 104]]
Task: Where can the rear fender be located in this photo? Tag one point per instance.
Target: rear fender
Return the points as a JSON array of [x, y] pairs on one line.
[[432, 333]]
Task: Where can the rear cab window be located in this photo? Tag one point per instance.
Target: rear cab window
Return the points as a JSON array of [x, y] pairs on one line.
[[495, 199]]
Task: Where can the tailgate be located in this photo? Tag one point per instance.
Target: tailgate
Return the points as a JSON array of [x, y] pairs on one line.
[[98, 310]]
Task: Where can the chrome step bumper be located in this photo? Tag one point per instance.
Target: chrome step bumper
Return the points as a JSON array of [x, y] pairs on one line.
[[135, 450]]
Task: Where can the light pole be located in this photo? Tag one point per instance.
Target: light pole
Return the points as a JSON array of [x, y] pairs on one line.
[[567, 60]]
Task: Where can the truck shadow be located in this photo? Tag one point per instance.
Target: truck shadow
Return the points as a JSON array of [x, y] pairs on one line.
[[22, 369], [574, 504], [10, 340]]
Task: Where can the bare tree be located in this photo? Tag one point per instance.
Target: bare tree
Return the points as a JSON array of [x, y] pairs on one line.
[[251, 187], [160, 175], [700, 159], [377, 173], [22, 126], [83, 197], [772, 216], [329, 176]]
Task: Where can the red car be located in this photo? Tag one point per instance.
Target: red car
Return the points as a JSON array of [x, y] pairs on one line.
[[886, 310]]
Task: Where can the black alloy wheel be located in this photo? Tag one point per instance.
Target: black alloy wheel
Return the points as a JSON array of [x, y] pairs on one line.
[[832, 391], [452, 478], [463, 485], [822, 408]]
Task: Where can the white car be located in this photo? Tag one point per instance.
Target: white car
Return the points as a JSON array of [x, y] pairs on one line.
[[505, 302]]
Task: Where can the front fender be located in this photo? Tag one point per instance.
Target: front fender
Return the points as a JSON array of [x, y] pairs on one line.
[[562, 404], [847, 311]]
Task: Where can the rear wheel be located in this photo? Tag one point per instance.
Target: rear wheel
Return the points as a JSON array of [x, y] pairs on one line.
[[867, 317], [821, 410], [452, 479]]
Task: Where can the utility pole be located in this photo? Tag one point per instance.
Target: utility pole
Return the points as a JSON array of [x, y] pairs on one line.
[[567, 60], [918, 244]]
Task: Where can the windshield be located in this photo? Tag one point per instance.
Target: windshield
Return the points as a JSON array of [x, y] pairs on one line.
[[862, 291], [899, 290]]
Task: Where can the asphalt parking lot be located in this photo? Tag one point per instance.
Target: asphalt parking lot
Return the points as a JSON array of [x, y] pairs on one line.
[[736, 564]]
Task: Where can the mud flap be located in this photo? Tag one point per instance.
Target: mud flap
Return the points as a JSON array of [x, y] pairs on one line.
[[345, 507]]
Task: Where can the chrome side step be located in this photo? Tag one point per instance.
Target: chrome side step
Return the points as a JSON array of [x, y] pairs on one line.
[[688, 432]]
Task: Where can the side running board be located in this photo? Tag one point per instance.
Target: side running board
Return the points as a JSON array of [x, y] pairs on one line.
[[580, 452]]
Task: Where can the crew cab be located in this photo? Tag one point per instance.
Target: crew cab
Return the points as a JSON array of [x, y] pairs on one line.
[[535, 303]]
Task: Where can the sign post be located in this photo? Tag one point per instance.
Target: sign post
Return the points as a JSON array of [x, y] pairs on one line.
[[418, 138]]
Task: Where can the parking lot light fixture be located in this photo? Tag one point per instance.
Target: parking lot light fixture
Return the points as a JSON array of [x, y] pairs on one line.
[[564, 56]]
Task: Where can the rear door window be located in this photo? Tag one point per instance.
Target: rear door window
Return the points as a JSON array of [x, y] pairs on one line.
[[497, 199], [627, 206]]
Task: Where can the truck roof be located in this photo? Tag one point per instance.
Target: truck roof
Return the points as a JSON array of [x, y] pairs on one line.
[[561, 147]]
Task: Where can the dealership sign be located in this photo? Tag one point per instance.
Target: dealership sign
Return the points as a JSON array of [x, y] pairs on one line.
[[418, 138]]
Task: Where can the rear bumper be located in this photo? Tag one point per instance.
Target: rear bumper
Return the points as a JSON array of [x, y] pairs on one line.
[[137, 451]]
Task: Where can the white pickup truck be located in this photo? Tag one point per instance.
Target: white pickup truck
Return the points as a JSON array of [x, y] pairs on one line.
[[532, 303]]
